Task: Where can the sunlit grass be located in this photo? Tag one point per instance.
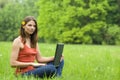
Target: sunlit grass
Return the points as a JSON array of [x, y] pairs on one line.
[[82, 62]]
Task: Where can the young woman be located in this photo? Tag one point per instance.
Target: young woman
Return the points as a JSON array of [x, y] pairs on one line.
[[25, 51]]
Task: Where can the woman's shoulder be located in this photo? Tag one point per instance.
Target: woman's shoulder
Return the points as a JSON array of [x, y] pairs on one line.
[[17, 40]]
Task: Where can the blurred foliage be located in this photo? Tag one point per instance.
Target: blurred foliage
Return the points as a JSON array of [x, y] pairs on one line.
[[11, 17], [79, 21], [67, 21]]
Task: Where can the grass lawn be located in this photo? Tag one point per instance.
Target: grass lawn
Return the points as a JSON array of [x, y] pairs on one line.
[[82, 62]]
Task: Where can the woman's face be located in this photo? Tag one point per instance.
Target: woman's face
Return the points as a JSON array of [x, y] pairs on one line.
[[30, 27]]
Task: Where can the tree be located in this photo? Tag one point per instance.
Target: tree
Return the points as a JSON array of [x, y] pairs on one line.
[[12, 15], [3, 3]]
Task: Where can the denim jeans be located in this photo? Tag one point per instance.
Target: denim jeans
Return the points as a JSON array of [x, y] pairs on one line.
[[48, 71]]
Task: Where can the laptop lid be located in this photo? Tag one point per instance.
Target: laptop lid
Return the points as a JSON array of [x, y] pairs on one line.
[[58, 54]]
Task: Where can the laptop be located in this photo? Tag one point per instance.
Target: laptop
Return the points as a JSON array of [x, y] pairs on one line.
[[58, 54]]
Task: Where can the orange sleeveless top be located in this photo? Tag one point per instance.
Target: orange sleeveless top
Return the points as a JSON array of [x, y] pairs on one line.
[[26, 55]]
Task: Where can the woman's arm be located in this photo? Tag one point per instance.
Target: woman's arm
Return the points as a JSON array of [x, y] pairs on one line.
[[42, 59], [14, 55], [17, 45]]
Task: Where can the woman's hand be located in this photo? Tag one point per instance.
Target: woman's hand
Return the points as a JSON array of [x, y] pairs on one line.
[[37, 64], [62, 57]]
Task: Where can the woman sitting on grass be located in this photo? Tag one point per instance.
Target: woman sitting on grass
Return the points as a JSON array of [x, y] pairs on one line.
[[25, 51]]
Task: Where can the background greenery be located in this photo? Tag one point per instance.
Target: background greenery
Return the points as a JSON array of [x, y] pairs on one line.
[[82, 62], [68, 21]]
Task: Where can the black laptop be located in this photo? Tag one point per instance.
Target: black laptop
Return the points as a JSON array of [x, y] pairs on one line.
[[58, 54]]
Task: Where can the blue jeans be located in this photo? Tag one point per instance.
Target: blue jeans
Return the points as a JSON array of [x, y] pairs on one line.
[[46, 71]]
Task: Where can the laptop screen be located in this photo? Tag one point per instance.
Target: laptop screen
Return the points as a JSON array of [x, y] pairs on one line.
[[58, 54]]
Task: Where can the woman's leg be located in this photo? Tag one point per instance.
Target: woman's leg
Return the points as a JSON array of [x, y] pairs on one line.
[[42, 71], [59, 68]]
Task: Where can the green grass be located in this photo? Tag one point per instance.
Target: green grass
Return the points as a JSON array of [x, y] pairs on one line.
[[82, 62]]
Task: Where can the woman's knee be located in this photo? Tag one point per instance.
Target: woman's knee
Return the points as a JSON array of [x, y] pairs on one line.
[[51, 68]]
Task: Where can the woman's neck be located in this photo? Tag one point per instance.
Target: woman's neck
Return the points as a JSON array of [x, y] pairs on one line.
[[27, 35]]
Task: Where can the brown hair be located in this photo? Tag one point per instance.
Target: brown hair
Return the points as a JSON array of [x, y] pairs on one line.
[[33, 37]]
